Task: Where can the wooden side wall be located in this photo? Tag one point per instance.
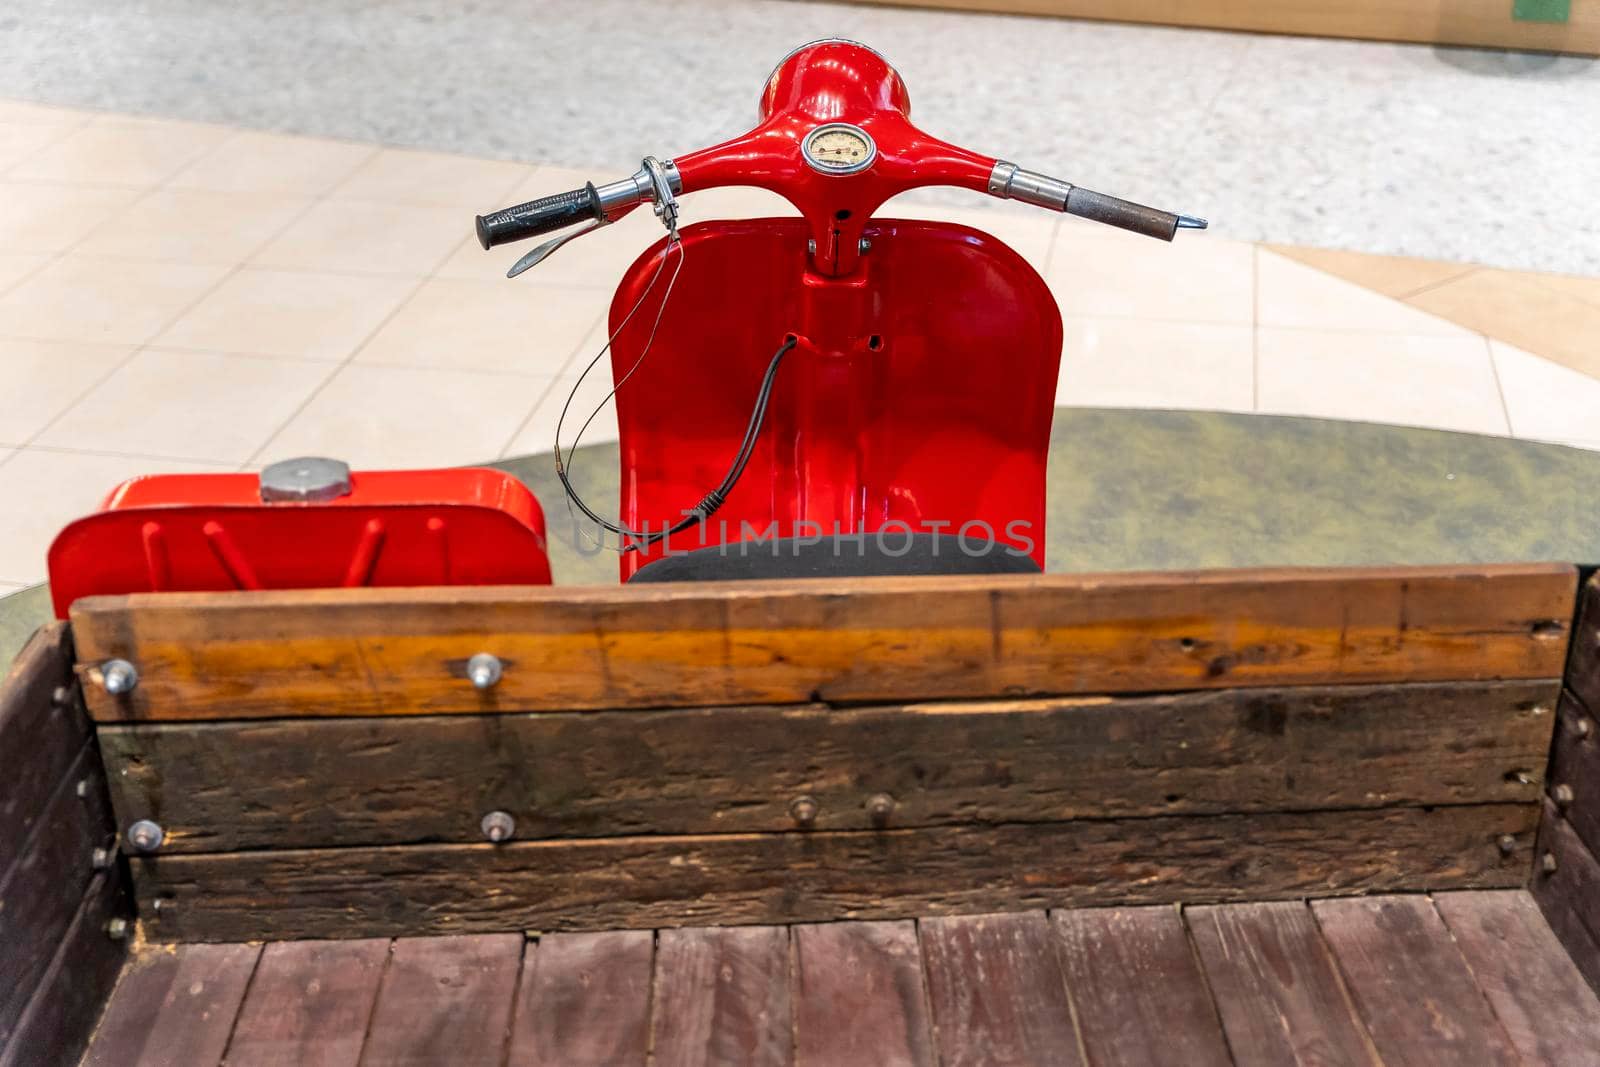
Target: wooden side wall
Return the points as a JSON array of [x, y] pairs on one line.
[[758, 753], [1566, 878], [1484, 23], [58, 962]]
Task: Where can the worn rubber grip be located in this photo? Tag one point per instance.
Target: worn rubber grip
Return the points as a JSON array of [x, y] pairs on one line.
[[1098, 207], [539, 216]]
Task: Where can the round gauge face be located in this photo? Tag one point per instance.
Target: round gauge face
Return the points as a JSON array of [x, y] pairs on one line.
[[839, 148]]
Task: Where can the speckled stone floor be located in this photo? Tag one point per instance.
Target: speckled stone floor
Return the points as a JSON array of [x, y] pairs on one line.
[[1452, 154]]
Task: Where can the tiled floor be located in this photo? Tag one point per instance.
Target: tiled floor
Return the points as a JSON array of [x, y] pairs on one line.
[[177, 296]]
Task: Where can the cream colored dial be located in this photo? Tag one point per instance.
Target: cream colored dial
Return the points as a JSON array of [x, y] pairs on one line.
[[839, 148]]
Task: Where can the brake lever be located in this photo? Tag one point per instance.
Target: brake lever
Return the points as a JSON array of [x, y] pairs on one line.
[[549, 248]]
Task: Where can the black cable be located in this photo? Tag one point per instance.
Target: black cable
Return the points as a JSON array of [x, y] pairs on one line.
[[634, 540]]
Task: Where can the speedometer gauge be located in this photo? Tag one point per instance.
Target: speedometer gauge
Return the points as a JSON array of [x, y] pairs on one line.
[[839, 148]]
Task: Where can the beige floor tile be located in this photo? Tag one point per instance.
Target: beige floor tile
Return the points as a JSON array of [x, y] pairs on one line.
[[733, 202], [194, 225], [596, 260], [401, 417], [1444, 383], [15, 266], [1586, 289], [1545, 400], [28, 111], [1109, 274], [139, 152], [1144, 364], [42, 491], [498, 326], [192, 405], [113, 301], [1294, 295], [370, 238], [404, 176], [254, 162], [7, 588], [538, 433], [1521, 309], [1393, 276], [40, 379], [302, 314], [53, 218], [19, 140]]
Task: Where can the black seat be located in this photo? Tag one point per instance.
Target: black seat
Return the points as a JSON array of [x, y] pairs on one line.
[[846, 557]]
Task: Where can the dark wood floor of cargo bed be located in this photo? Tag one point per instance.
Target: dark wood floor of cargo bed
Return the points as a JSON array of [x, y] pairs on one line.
[[1473, 977]]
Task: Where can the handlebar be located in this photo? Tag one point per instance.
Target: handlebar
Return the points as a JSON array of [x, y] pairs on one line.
[[1010, 182], [540, 216]]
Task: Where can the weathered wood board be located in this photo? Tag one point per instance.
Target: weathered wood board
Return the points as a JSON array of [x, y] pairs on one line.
[[738, 879], [722, 998], [404, 652], [174, 1006], [311, 783], [584, 1001]]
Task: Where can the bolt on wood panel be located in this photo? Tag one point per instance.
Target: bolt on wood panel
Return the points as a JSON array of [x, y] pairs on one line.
[[722, 998], [404, 652], [445, 1000], [998, 995], [1537, 992], [1276, 987], [584, 1001], [39, 715], [309, 1004], [175, 1005], [1140, 998], [1411, 984], [1574, 776], [1566, 883], [306, 783], [738, 879], [859, 999]]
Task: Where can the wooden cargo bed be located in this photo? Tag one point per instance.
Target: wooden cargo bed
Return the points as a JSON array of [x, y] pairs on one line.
[[1470, 977]]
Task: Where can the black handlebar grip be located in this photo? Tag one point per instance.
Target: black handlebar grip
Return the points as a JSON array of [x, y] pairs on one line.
[[1098, 207], [539, 216]]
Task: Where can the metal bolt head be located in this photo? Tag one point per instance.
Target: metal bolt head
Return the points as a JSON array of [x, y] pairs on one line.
[[498, 826], [306, 480], [100, 859], [484, 670], [117, 929], [864, 246], [1562, 795], [118, 676], [803, 810], [879, 807], [146, 836], [1507, 843], [811, 246], [81, 788], [1584, 728], [1547, 863], [61, 696]]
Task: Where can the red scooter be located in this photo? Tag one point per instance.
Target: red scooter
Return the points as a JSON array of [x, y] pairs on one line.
[[885, 387], [829, 394]]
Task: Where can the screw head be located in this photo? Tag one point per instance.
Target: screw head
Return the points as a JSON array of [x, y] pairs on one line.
[[117, 929], [118, 676], [864, 246], [100, 859], [61, 696], [1584, 728], [803, 810], [498, 826], [1547, 863], [484, 670], [1507, 843], [811, 246], [1562, 795], [146, 836], [879, 807]]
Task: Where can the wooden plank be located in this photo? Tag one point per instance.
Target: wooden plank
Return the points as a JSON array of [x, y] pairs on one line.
[[174, 1005], [1139, 996], [1541, 999], [740, 879], [307, 783], [1575, 878], [997, 992], [66, 1001], [1485, 23], [309, 1004], [1410, 983], [1574, 773], [49, 731], [404, 652], [445, 1000], [1581, 946], [859, 997], [43, 889], [1583, 667], [585, 1001], [1276, 987], [722, 998]]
